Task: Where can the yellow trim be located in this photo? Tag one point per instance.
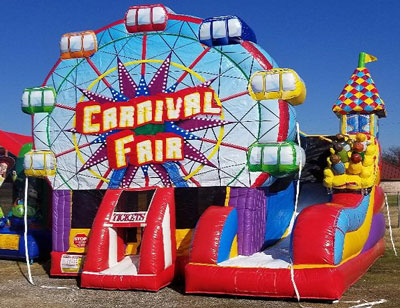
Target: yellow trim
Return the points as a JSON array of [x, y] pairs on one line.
[[44, 162], [9, 241], [286, 232], [312, 135], [183, 240], [302, 266], [72, 247], [372, 124], [206, 264], [354, 241], [132, 247], [234, 248], [344, 124], [227, 196], [297, 266], [198, 76]]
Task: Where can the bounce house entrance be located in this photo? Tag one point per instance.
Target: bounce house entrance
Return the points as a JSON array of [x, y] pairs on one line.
[[132, 242]]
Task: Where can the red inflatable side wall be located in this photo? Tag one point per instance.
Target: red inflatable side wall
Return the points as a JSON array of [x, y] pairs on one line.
[[98, 244], [379, 199], [313, 283], [315, 229], [65, 264], [206, 239], [152, 251], [155, 264]]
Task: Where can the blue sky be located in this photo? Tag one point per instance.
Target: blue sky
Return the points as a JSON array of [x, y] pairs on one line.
[[319, 39]]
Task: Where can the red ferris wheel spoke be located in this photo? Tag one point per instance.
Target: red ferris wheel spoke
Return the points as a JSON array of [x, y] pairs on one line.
[[144, 50], [191, 66], [96, 70], [65, 107], [185, 18], [261, 59], [105, 176], [233, 96], [72, 150], [51, 72], [192, 179], [228, 145]]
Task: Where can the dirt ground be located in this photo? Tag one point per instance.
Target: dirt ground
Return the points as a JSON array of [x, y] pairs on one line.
[[381, 282]]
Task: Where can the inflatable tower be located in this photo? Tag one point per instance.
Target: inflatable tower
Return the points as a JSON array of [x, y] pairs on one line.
[[351, 226], [358, 107]]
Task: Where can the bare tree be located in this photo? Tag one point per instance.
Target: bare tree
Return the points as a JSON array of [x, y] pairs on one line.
[[392, 155]]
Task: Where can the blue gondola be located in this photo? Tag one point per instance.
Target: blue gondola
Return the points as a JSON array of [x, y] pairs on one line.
[[225, 30]]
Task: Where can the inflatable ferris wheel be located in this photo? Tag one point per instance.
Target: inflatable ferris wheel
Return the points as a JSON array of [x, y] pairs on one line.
[[158, 99]]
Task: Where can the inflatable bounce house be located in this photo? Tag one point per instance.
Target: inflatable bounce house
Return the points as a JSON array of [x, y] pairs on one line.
[[12, 239], [172, 147]]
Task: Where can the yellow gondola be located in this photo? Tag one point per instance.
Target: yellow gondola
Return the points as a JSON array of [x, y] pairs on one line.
[[278, 83], [40, 163]]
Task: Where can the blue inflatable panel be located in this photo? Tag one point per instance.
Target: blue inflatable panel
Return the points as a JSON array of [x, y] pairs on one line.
[[228, 233], [12, 243], [350, 219], [225, 30], [280, 207]]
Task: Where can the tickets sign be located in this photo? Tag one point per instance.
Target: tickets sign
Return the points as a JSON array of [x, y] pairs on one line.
[[128, 217]]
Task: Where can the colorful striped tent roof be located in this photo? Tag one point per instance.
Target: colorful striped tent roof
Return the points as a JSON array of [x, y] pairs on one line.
[[360, 95]]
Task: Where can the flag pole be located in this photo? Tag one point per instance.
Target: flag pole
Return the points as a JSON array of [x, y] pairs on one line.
[[361, 59], [365, 58]]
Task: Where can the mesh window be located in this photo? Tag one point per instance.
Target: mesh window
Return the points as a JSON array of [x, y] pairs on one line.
[[132, 235], [190, 203], [134, 201], [85, 204]]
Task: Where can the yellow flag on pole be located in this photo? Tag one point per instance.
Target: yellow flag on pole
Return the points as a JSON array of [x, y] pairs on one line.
[[370, 58]]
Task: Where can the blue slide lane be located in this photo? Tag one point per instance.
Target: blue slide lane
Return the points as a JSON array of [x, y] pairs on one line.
[[280, 207], [350, 219], [228, 234]]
